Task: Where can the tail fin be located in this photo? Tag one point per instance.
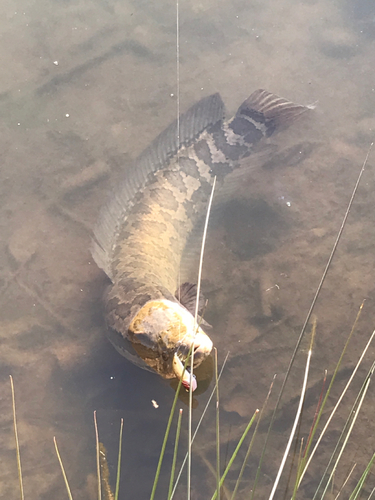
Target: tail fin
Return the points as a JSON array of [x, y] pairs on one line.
[[270, 110]]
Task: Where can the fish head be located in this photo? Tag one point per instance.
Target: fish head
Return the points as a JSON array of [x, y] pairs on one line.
[[170, 332]]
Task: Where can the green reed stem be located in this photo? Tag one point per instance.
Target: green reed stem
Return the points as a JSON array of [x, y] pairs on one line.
[[217, 430], [162, 452], [175, 455], [332, 414], [195, 324], [198, 425], [214, 496], [349, 426], [298, 414], [306, 459], [357, 490], [119, 461], [252, 441]]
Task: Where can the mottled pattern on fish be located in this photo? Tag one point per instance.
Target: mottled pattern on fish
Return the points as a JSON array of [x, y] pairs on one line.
[[144, 229]]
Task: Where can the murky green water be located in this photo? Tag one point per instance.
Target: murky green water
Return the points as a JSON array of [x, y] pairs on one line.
[[84, 87]]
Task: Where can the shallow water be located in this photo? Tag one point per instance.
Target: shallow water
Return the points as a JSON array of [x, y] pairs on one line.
[[84, 87]]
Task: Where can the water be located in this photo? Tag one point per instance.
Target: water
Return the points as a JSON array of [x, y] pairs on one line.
[[85, 86]]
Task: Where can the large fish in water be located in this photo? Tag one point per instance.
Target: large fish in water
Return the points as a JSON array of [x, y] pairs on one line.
[[144, 228]]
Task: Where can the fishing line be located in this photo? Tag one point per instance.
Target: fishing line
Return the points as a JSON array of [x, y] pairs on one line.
[[178, 110]]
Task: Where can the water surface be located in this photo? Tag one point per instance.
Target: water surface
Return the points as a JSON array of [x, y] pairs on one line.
[[84, 87]]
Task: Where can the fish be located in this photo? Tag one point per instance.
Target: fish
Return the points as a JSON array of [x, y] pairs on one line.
[[144, 228]]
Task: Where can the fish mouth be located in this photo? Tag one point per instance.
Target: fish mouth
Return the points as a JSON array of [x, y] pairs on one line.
[[187, 379]]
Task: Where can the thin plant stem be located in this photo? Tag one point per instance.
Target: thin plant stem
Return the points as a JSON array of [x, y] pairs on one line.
[[343, 433], [175, 454], [119, 460], [252, 440], [239, 444], [354, 415], [296, 420], [305, 459], [98, 458], [309, 313], [335, 408], [62, 470], [195, 326], [224, 491], [357, 490], [217, 431], [161, 457], [16, 438], [346, 480], [314, 423], [198, 425]]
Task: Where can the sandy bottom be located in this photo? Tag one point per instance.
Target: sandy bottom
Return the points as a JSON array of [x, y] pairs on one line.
[[85, 86]]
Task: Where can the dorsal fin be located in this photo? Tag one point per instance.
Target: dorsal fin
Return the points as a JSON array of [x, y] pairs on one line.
[[205, 113]]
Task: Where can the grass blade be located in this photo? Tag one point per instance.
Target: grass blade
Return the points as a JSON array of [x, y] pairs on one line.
[[175, 455], [297, 417], [196, 323], [119, 460], [16, 438], [98, 458], [198, 426], [224, 491], [217, 431], [307, 458], [346, 480], [335, 408], [63, 470], [361, 482], [252, 441], [315, 420], [357, 490], [161, 457], [350, 424], [227, 469]]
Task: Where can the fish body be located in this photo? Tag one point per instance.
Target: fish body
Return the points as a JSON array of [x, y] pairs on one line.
[[144, 228]]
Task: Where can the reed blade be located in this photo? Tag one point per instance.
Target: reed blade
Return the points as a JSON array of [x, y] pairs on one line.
[[297, 417], [62, 469], [232, 458], [119, 460], [252, 441], [166, 435], [173, 468], [217, 430], [196, 324], [348, 428], [18, 454], [198, 426], [98, 458]]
